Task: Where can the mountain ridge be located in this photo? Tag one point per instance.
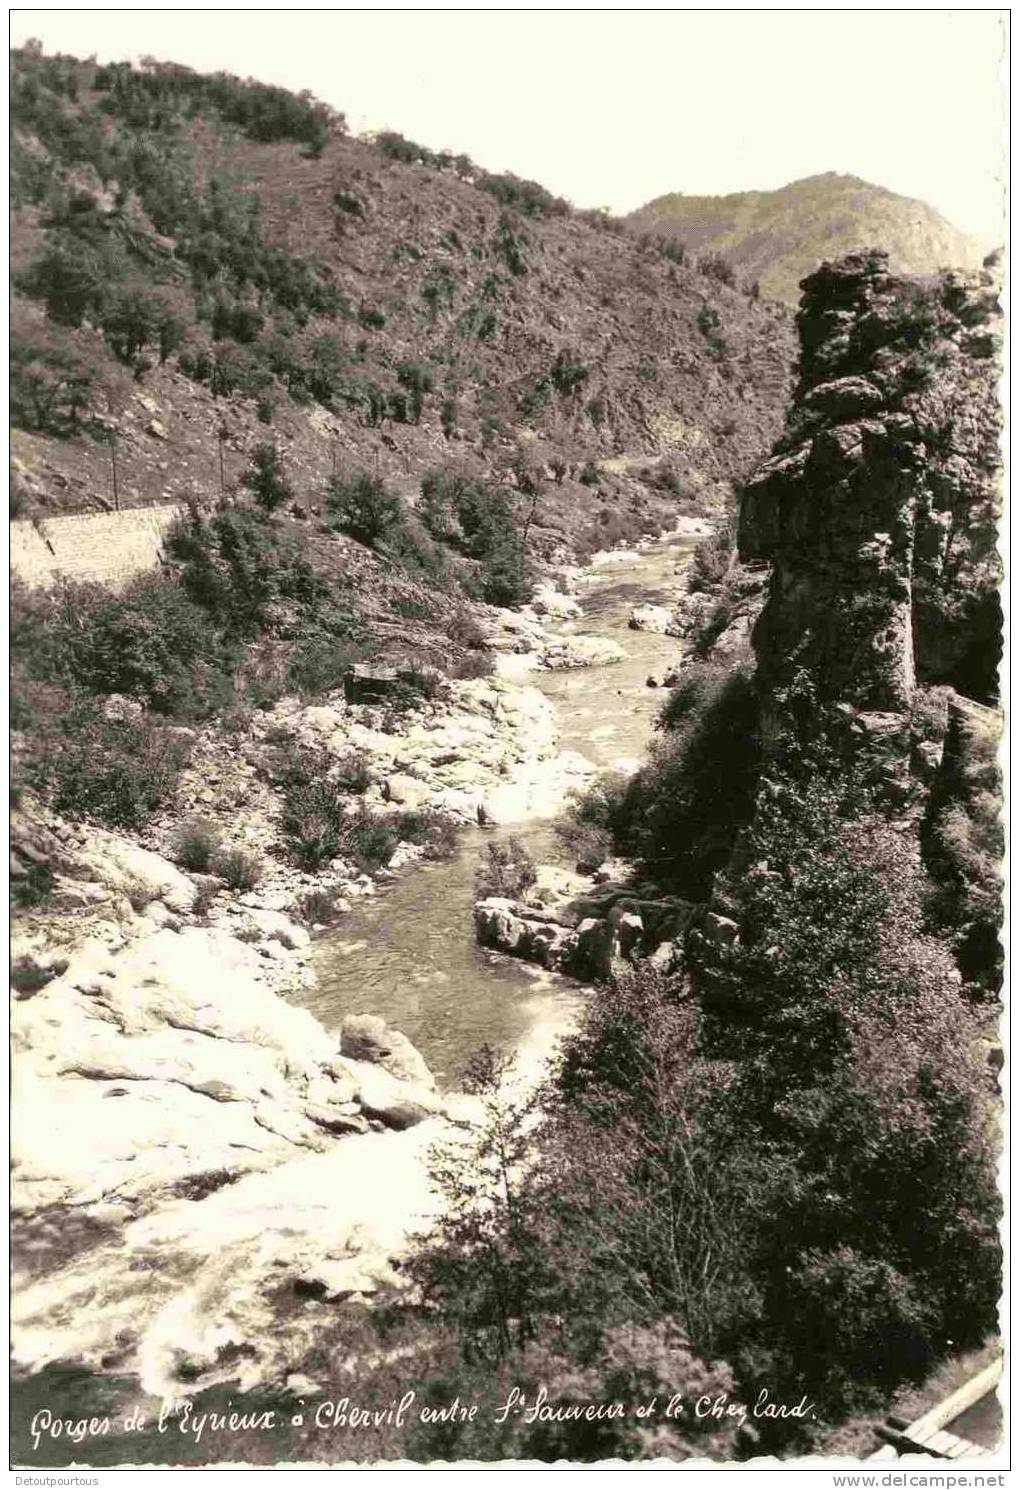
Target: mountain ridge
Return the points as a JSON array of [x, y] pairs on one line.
[[779, 236]]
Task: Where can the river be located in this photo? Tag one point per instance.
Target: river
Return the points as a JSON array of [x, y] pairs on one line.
[[409, 954]]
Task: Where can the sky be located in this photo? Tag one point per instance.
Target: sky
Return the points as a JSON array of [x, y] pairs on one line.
[[612, 108]]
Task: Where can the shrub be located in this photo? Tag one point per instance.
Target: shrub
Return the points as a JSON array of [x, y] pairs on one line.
[[347, 202], [567, 372], [370, 841], [238, 869], [506, 870], [682, 811], [439, 288], [195, 845], [711, 561], [509, 244], [34, 887], [265, 478], [962, 843], [151, 642], [416, 684], [316, 789], [50, 388], [409, 544], [241, 322], [473, 665], [140, 894], [313, 837], [474, 1269], [465, 631], [418, 381], [351, 773], [28, 975], [856, 1073], [133, 320], [362, 506], [321, 664], [115, 771], [527, 197], [717, 267], [313, 810], [205, 894], [237, 567], [433, 831], [593, 821], [319, 907]]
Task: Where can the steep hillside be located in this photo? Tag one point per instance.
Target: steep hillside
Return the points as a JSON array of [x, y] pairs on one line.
[[202, 263], [807, 1070], [778, 237]]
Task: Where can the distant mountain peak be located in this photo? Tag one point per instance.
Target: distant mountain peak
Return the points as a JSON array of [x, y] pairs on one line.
[[778, 237]]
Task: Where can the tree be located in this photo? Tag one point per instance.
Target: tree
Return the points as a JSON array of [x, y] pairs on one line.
[[362, 506], [479, 1266], [266, 479]]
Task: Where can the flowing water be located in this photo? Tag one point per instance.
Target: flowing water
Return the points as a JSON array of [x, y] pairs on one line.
[[409, 954]]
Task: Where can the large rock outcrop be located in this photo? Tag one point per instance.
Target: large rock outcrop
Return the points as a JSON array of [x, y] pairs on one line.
[[880, 631], [876, 511]]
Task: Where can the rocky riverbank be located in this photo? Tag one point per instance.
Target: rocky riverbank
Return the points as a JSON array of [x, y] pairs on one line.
[[197, 1160]]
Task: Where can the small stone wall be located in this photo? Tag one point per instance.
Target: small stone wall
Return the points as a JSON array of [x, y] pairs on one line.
[[106, 547]]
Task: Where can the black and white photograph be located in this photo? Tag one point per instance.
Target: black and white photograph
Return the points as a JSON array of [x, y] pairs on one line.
[[508, 646]]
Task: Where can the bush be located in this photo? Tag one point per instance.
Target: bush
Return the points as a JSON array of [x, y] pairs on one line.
[[195, 845], [321, 664], [238, 869], [116, 772], [50, 389], [962, 843], [465, 631], [265, 478], [506, 870], [418, 381], [370, 841], [433, 831], [682, 810], [140, 894], [711, 561], [151, 643], [526, 197], [361, 506], [593, 821], [415, 684], [473, 665], [314, 808], [319, 907], [34, 887], [237, 567], [717, 267]]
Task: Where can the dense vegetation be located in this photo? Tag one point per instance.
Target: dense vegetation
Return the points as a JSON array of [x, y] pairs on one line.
[[246, 608], [773, 1171], [367, 299]]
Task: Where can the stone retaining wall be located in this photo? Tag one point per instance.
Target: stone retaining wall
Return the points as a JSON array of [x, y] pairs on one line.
[[107, 547]]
